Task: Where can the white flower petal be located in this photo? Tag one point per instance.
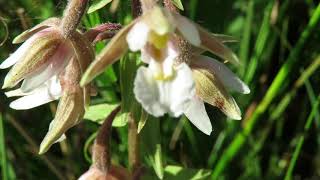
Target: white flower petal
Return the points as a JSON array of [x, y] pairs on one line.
[[164, 96], [52, 91], [226, 76], [198, 116], [138, 36], [146, 92], [187, 29], [56, 64]]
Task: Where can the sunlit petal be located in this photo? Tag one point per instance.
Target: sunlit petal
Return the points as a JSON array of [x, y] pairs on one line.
[[211, 90], [55, 65], [197, 115], [227, 77], [138, 36], [164, 96]]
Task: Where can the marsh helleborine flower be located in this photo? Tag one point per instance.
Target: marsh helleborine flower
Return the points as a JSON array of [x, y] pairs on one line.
[[51, 66], [178, 80]]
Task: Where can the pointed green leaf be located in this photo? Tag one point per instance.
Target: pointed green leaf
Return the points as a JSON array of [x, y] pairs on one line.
[[97, 4], [178, 4]]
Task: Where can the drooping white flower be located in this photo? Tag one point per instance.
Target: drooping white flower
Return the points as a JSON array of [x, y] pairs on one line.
[[164, 87], [49, 91]]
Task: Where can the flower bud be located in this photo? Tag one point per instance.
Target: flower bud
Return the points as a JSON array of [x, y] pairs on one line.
[[114, 173], [35, 55]]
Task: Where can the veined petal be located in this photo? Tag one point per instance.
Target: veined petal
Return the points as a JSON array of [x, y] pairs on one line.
[[39, 53], [55, 65], [216, 46], [111, 53], [197, 115], [40, 96], [69, 112], [188, 29], [164, 96], [211, 90], [137, 37], [19, 54], [227, 77], [30, 32]]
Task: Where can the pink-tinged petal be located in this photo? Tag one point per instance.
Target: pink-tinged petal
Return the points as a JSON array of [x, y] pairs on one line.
[[197, 115], [188, 29], [51, 22], [138, 36], [37, 56], [19, 54], [55, 65], [227, 77], [93, 174], [216, 46]]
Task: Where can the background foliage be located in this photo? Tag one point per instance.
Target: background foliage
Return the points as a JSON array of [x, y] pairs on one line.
[[277, 138]]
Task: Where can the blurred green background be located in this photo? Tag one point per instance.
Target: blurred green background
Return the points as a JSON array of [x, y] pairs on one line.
[[277, 138]]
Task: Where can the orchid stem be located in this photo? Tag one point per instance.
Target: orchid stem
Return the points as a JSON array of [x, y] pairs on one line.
[[101, 151], [133, 144], [147, 4], [72, 16]]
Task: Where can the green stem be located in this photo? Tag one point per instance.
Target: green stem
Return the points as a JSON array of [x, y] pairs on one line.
[[277, 83], [301, 139], [3, 155]]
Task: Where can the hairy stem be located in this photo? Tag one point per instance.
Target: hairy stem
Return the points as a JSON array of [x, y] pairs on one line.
[[72, 16], [147, 4], [101, 151]]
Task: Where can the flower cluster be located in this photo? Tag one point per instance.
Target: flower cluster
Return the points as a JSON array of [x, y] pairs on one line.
[[57, 61], [178, 79]]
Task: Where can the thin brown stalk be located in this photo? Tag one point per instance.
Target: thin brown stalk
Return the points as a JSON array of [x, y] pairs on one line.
[[34, 146], [101, 151], [133, 144]]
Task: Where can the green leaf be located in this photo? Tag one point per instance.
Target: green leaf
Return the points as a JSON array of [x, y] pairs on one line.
[[97, 4], [178, 4], [98, 113], [178, 172], [143, 120], [172, 172], [151, 145]]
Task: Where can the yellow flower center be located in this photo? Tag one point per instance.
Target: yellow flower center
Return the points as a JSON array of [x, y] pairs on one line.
[[158, 41]]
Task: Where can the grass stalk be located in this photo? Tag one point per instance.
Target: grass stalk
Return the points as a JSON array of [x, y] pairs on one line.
[[272, 92]]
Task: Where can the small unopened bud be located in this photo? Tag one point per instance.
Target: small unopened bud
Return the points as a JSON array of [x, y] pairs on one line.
[[72, 16], [115, 173]]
